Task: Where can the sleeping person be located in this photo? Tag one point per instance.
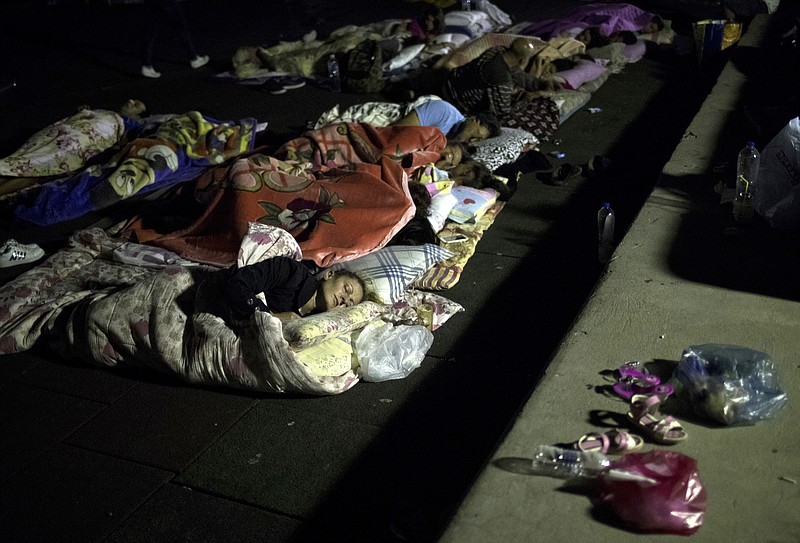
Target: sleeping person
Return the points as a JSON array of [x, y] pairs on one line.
[[447, 118], [290, 290]]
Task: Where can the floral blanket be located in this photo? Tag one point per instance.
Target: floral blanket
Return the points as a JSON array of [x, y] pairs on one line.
[[341, 191], [66, 145], [103, 312], [180, 150]]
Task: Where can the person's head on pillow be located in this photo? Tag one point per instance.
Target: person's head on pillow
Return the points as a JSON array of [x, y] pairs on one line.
[[431, 20], [623, 36], [451, 156], [655, 24], [421, 198], [472, 173], [519, 53], [476, 128], [133, 109], [592, 37], [338, 288]]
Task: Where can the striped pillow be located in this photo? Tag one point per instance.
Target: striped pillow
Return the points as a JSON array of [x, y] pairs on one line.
[[390, 270]]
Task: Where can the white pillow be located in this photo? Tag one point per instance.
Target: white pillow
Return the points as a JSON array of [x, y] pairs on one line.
[[389, 271], [441, 206]]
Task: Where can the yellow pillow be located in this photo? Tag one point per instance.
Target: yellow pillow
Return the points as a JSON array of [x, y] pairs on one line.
[[313, 329]]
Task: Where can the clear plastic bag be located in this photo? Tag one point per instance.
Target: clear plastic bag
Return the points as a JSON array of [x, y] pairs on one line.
[[730, 384], [386, 351], [655, 492], [777, 195]]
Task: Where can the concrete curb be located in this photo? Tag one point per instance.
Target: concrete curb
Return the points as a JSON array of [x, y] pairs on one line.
[[645, 308]]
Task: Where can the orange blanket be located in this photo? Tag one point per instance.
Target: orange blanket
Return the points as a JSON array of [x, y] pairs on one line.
[[342, 191]]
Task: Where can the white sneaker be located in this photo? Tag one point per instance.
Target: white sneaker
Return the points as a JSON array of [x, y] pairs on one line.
[[13, 253], [149, 71], [199, 62]]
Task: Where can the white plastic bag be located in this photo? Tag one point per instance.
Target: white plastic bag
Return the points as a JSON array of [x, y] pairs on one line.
[[777, 197], [386, 351]]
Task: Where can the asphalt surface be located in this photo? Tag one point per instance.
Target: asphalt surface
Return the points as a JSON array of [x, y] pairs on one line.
[[93, 455]]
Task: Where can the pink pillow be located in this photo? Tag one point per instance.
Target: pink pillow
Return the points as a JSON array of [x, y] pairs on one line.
[[584, 70]]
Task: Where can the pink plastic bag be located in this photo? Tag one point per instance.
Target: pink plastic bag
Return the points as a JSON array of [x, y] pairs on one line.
[[657, 491]]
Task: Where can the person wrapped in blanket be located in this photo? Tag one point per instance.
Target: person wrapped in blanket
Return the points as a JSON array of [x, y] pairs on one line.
[[486, 84], [453, 124], [489, 83], [73, 142], [606, 17], [460, 132], [290, 289]]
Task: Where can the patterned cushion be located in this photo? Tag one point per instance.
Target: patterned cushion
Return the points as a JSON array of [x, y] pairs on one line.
[[263, 241], [391, 269], [503, 149], [445, 274], [313, 329]]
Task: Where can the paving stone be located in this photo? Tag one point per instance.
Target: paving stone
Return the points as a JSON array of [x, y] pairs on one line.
[[368, 403], [163, 426], [70, 494], [78, 379], [34, 421], [274, 451], [14, 365], [178, 513]]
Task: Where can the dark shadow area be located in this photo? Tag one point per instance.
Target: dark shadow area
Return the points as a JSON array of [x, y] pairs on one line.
[[503, 354], [407, 484], [709, 248]]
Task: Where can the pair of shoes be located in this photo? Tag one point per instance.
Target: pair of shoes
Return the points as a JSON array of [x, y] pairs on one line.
[[644, 416], [597, 165], [280, 84], [149, 71], [633, 381], [198, 62], [612, 442], [13, 253], [564, 173]]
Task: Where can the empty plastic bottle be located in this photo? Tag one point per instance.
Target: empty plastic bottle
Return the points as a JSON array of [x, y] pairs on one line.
[[466, 5], [746, 177], [568, 463], [605, 233], [334, 75]]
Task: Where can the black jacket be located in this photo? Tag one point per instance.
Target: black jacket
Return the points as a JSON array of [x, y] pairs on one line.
[[287, 285]]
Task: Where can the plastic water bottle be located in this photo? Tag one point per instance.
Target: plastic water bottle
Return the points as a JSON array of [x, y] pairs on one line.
[[568, 463], [746, 177], [466, 5], [605, 233], [333, 74]]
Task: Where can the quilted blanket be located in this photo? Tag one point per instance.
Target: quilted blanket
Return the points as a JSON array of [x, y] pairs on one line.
[[181, 149], [342, 191], [88, 306]]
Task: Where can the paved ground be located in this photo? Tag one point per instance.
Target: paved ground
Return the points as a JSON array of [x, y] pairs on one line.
[[89, 455]]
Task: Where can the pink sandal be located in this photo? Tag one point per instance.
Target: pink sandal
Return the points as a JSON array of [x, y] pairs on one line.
[[611, 442], [645, 417], [633, 381]]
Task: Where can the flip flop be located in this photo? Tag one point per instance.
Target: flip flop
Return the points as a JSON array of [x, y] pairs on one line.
[[564, 173], [644, 416], [611, 442], [633, 381], [597, 165]]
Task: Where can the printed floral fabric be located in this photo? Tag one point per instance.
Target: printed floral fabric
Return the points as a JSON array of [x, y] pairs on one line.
[[503, 149], [181, 149], [65, 146], [447, 273], [263, 241], [539, 116], [341, 192], [313, 329], [112, 314]]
